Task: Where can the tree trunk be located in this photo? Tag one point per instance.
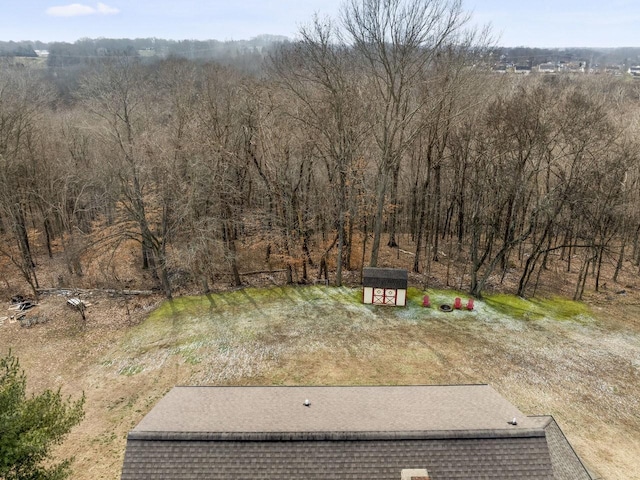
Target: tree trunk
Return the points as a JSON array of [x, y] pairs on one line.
[[620, 261], [47, 235], [393, 215], [599, 269], [340, 249], [420, 225], [377, 223], [438, 201], [231, 245]]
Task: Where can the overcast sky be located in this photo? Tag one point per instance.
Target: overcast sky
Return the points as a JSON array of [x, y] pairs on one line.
[[539, 23]]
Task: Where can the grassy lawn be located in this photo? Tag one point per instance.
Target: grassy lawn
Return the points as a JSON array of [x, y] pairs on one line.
[[548, 356]]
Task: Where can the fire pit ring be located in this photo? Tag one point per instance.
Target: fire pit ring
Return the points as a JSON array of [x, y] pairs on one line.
[[446, 308]]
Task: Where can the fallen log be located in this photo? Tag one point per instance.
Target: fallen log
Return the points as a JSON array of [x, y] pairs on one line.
[[74, 291], [258, 272]]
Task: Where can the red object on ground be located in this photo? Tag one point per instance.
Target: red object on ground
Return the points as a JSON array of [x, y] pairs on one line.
[[457, 304], [470, 304], [426, 302]]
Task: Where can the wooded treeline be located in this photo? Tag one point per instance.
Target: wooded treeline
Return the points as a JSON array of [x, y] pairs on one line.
[[383, 124]]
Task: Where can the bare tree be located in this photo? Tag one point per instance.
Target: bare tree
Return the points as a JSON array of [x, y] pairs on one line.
[[22, 98], [396, 41], [319, 73], [119, 93]]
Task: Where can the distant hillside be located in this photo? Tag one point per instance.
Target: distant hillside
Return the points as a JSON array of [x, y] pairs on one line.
[[63, 53]]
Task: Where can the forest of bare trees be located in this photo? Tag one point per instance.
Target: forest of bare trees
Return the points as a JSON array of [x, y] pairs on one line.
[[382, 129]]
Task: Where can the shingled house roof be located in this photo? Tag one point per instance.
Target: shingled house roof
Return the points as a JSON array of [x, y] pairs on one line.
[[455, 432], [384, 277]]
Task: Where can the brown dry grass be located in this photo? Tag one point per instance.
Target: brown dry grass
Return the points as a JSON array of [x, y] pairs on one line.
[[585, 373]]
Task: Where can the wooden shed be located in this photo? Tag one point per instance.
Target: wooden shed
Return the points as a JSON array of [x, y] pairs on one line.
[[384, 286]]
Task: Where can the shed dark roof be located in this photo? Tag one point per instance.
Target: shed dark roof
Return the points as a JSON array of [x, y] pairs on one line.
[[370, 433], [384, 277]]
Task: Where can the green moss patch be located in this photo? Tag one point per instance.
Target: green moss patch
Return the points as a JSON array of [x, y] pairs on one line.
[[233, 327], [536, 309], [244, 313]]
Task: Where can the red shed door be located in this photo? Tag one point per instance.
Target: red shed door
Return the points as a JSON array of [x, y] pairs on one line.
[[384, 296]]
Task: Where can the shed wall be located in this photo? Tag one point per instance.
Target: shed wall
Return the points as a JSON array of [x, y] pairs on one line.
[[401, 299], [367, 295]]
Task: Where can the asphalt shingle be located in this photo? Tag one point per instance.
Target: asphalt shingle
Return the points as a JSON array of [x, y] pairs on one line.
[[363, 433]]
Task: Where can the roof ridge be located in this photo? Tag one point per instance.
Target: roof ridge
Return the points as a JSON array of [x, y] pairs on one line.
[[337, 436]]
